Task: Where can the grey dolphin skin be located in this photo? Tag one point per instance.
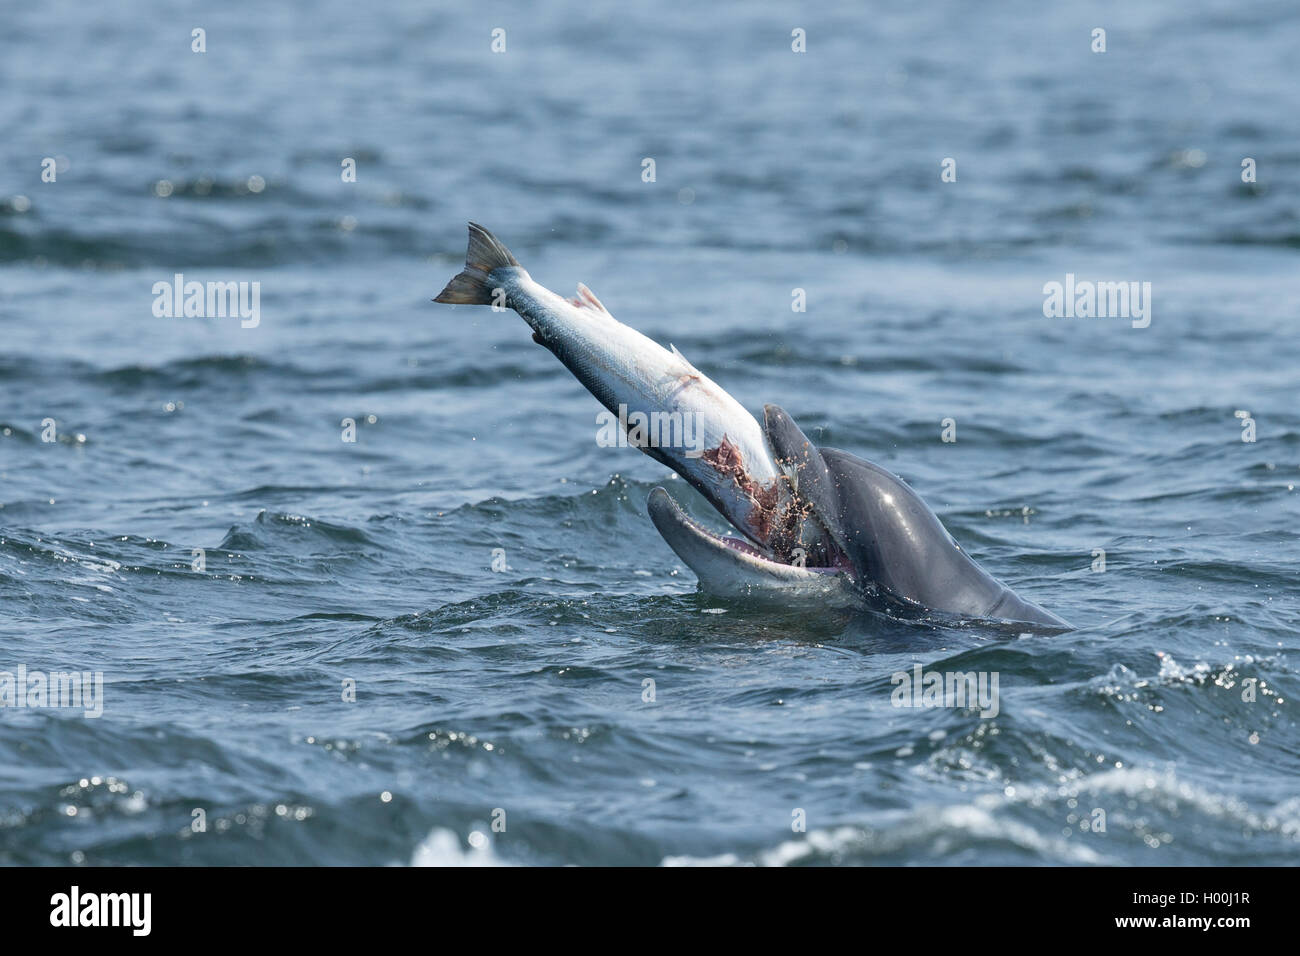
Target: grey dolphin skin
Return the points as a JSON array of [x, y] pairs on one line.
[[892, 539], [821, 527]]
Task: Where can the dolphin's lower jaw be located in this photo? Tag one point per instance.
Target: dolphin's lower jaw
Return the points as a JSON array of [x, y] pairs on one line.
[[730, 567]]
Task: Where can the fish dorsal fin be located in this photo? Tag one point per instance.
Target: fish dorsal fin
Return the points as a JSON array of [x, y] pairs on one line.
[[683, 358], [587, 299]]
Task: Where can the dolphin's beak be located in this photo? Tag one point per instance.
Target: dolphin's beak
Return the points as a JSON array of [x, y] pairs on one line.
[[815, 509], [731, 567], [792, 548], [692, 542]]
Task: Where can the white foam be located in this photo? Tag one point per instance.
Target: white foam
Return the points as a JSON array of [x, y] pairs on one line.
[[442, 847], [927, 830]]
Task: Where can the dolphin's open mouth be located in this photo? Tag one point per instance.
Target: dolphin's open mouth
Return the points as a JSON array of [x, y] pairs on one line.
[[784, 540], [731, 567], [674, 523]]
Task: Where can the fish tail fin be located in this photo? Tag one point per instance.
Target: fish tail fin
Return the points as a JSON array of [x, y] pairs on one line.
[[485, 253]]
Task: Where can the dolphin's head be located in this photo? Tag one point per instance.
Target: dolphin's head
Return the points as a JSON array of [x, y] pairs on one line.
[[840, 529]]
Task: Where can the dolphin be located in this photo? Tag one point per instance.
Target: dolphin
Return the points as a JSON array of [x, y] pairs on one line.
[[820, 527]]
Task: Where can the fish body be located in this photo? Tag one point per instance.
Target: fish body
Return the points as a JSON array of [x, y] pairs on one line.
[[669, 409]]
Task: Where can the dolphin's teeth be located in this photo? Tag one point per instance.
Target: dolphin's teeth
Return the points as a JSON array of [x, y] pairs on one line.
[[743, 546]]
